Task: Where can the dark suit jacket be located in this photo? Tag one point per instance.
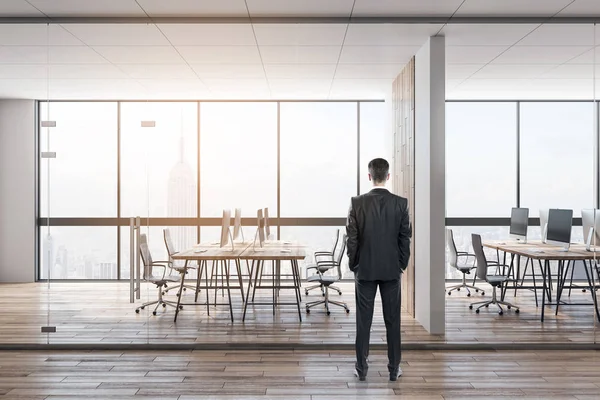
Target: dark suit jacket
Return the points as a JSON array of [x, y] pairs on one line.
[[379, 232]]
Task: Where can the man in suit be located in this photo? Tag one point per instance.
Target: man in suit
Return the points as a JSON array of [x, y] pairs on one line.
[[379, 232]]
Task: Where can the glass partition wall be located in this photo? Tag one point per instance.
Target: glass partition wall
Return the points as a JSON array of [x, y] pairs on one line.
[[177, 165]]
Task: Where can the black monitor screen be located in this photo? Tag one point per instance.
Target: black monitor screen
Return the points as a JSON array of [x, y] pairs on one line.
[[559, 225], [519, 220]]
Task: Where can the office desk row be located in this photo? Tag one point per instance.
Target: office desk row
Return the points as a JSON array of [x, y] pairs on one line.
[[221, 259], [543, 254]]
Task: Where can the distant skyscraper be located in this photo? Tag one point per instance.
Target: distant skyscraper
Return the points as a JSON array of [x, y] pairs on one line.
[[181, 201], [61, 267]]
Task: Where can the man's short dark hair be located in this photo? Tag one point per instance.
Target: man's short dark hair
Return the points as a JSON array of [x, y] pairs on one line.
[[379, 170]]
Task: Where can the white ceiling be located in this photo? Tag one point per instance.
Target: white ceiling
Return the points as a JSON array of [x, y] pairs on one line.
[[169, 60]]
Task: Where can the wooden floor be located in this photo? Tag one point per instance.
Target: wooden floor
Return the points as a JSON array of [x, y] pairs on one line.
[[307, 375], [100, 312]]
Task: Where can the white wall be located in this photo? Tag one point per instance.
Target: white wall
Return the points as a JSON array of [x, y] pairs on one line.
[[429, 233], [17, 190]]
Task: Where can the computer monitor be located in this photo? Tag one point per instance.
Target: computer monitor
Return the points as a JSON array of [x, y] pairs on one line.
[[519, 221], [267, 224], [225, 232], [559, 228], [544, 224], [237, 224], [591, 228]]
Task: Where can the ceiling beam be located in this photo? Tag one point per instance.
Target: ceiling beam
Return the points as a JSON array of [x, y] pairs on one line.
[[301, 20]]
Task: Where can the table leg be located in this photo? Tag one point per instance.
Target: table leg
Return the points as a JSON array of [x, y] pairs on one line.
[[227, 267], [560, 284], [240, 280], [504, 287], [592, 283], [180, 290], [255, 265], [296, 275], [274, 285], [259, 274], [208, 285], [518, 275], [198, 278], [545, 271]]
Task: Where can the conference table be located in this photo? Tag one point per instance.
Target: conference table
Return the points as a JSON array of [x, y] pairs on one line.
[[221, 259], [544, 254]]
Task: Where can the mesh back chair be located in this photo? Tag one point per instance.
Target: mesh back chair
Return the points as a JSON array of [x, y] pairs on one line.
[[463, 262], [323, 260], [496, 280], [159, 280], [179, 269], [327, 280]]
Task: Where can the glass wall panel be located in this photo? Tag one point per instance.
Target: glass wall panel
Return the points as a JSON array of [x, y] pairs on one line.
[[481, 154], [557, 156], [238, 144], [376, 139], [83, 175], [159, 165], [79, 252], [318, 159]]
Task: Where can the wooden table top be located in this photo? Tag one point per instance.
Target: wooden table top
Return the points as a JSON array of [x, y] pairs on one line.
[[542, 251], [211, 253], [273, 252]]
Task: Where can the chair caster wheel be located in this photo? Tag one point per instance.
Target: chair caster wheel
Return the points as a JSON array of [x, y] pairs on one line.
[[153, 312], [470, 307], [178, 294], [308, 310], [347, 311], [476, 290], [340, 293], [164, 293], [468, 294], [164, 305], [458, 289], [306, 292], [184, 289], [500, 312], [483, 293], [508, 307], [517, 311], [583, 290], [323, 294], [328, 312], [142, 307], [449, 293], [181, 307], [137, 311], [477, 311]]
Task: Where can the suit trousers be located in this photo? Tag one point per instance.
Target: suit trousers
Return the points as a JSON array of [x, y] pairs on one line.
[[365, 292]]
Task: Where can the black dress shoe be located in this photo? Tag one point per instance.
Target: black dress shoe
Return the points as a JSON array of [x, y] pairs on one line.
[[360, 377], [395, 375]]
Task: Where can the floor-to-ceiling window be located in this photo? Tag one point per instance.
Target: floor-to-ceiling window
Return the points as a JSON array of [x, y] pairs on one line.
[[504, 154], [179, 164]]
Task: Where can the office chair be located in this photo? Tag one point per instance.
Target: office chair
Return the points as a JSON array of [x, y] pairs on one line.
[[463, 267], [149, 277], [179, 269], [328, 280], [496, 280], [327, 257]]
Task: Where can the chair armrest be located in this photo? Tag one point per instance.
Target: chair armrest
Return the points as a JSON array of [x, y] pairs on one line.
[[323, 253], [327, 264], [164, 267]]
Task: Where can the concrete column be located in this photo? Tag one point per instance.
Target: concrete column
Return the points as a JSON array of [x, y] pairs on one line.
[[17, 191], [429, 234]]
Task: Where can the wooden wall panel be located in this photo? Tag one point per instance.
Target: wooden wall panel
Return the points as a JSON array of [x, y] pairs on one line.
[[403, 103]]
